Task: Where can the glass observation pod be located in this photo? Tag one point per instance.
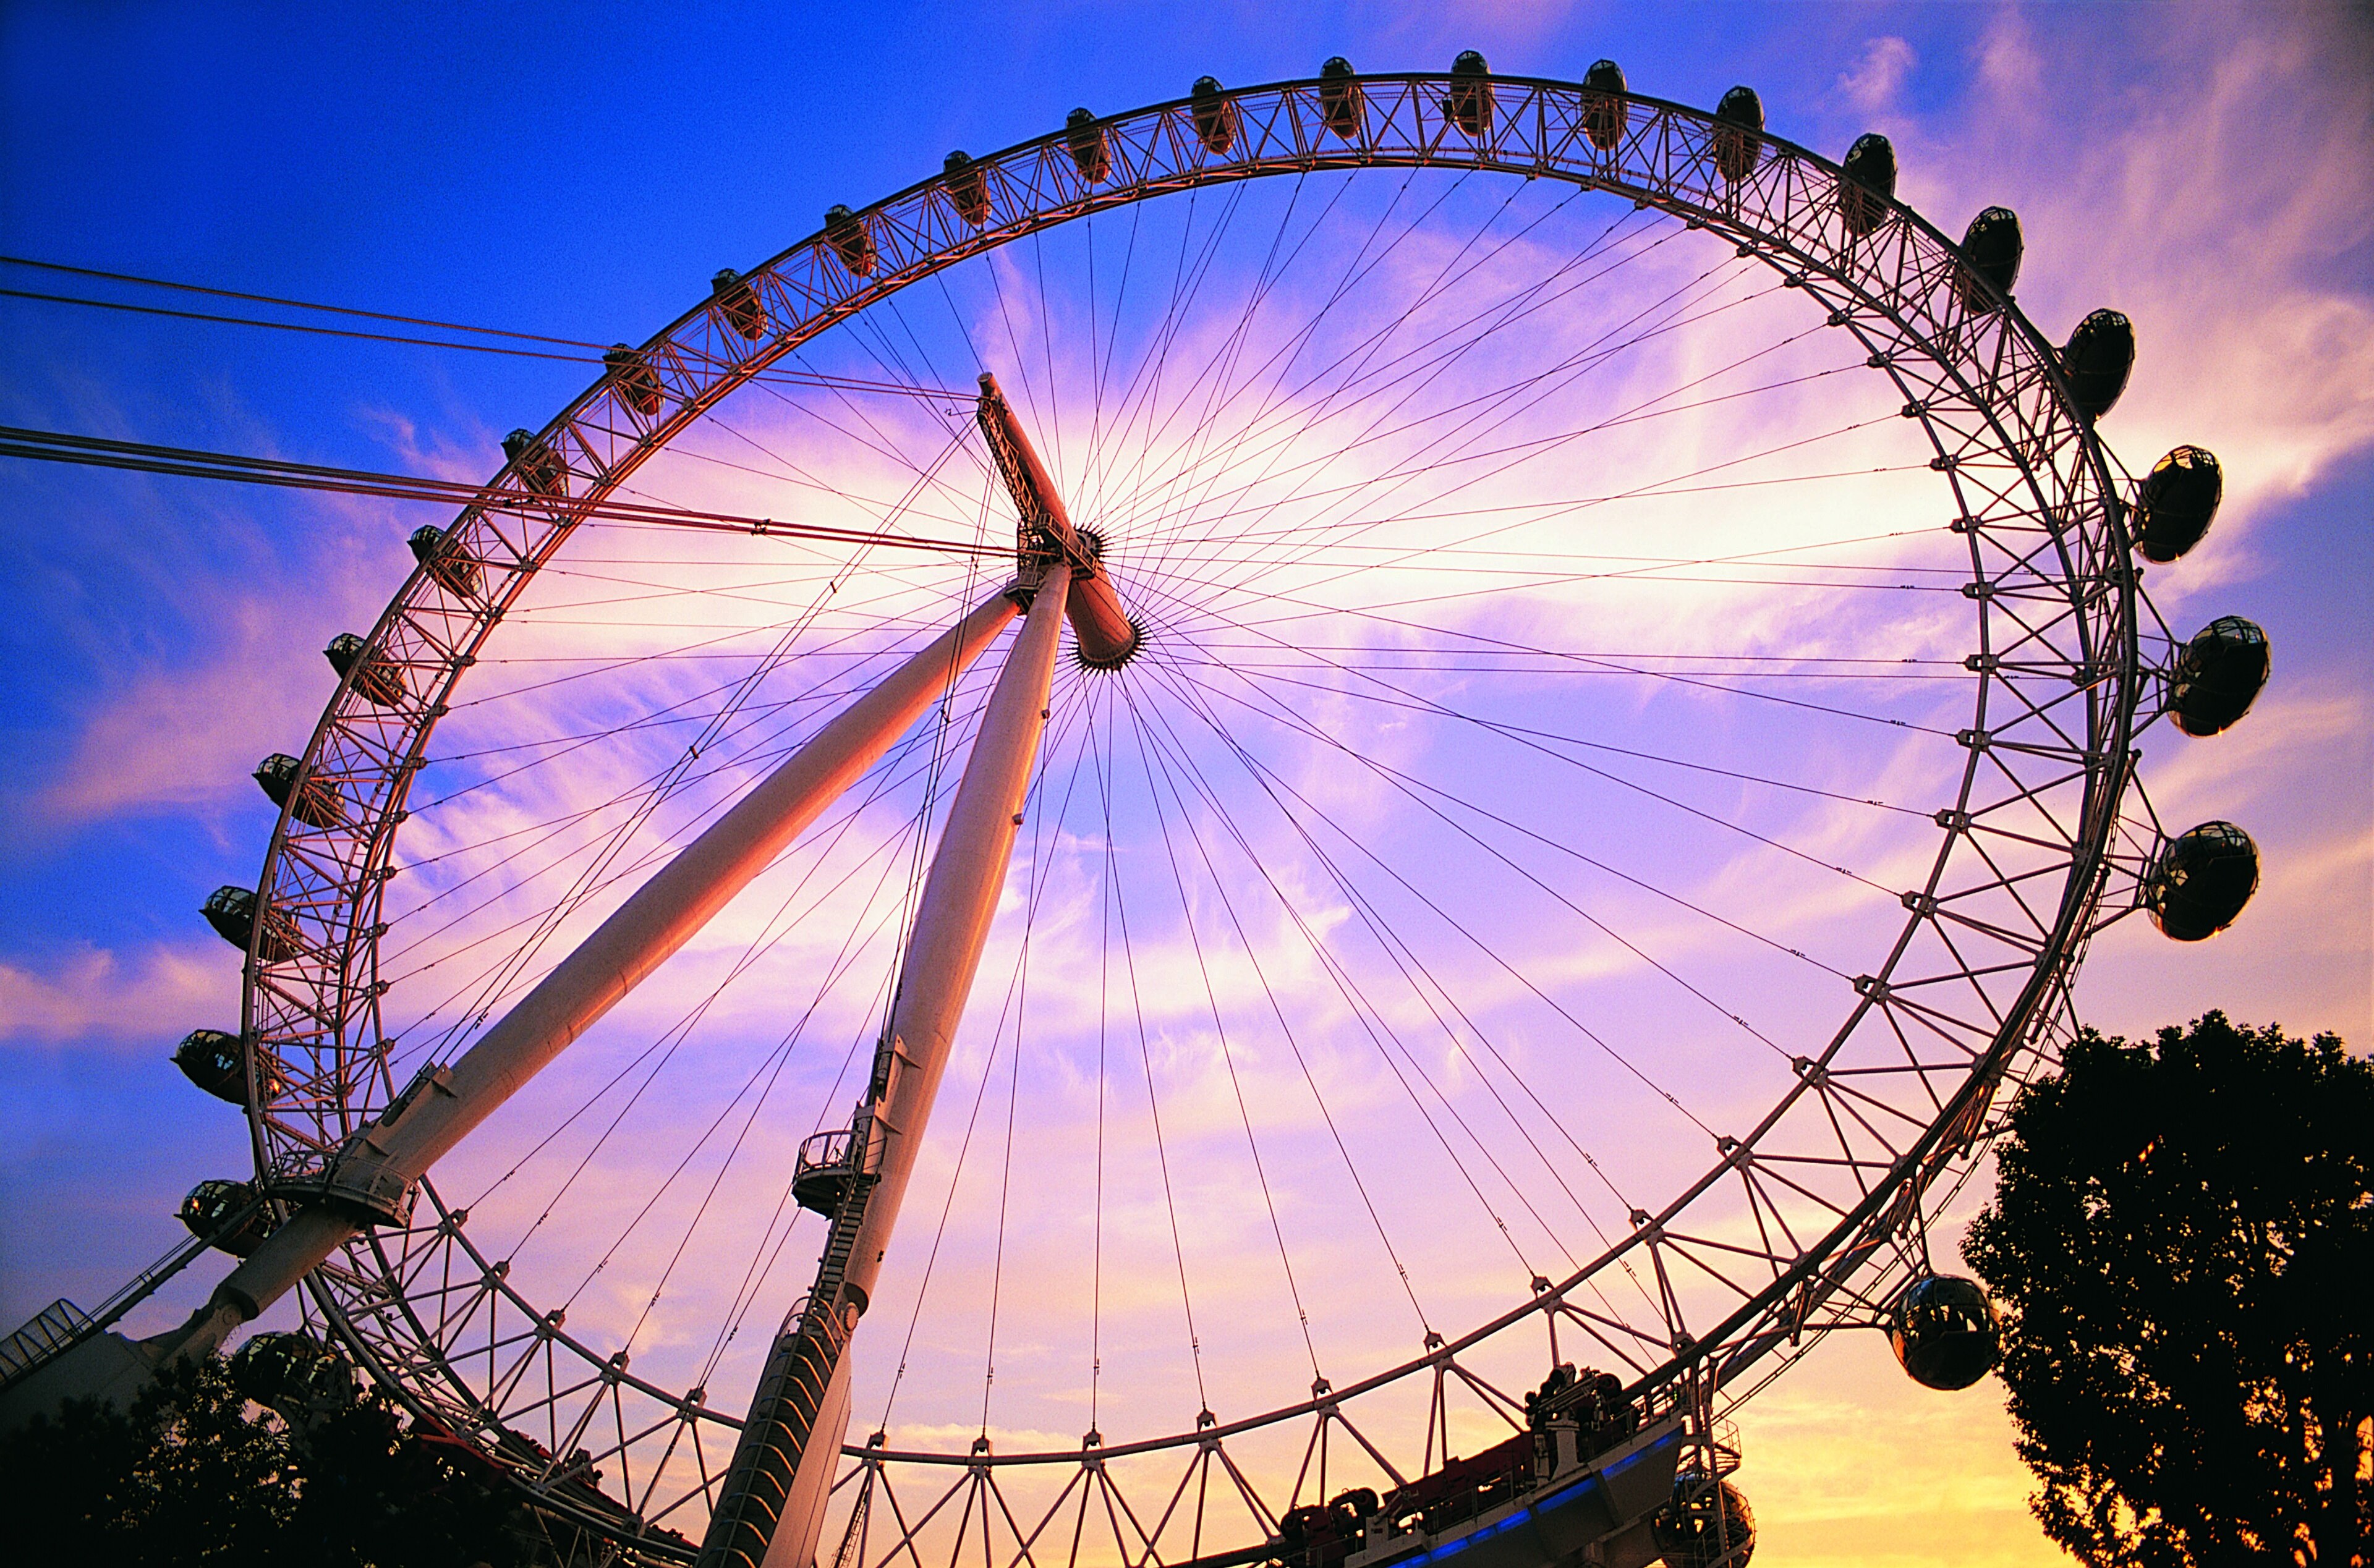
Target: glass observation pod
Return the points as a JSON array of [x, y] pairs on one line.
[[309, 801], [1605, 116], [231, 911], [1945, 1333], [739, 302], [442, 555], [226, 1216], [2097, 360], [1469, 107], [637, 381], [216, 1061], [1341, 102], [2203, 879], [1869, 182], [2177, 502], [1086, 140], [846, 233], [2218, 675], [294, 1374], [538, 467], [1215, 117], [1991, 248], [376, 680], [967, 187], [1739, 135], [1708, 1526]]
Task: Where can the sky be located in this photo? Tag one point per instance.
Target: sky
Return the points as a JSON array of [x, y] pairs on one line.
[[580, 172]]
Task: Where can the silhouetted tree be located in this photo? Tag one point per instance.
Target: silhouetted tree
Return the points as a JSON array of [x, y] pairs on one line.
[[196, 1474], [2182, 1241]]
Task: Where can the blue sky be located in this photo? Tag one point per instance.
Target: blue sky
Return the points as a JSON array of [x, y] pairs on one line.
[[581, 171]]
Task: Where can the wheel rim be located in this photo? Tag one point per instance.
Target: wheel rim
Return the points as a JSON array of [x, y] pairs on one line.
[[2056, 617]]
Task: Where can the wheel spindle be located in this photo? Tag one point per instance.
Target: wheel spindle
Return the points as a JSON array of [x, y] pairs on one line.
[[1106, 637]]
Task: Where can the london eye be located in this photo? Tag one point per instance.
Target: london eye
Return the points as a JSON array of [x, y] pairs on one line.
[[1455, 733]]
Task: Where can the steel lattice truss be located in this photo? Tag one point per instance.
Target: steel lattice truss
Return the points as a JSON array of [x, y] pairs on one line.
[[1802, 1224]]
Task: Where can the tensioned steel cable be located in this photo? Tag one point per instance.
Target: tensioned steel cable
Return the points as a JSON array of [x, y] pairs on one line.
[[1193, 267], [1268, 780], [1360, 1001], [589, 665], [1273, 269], [1396, 948], [1252, 952], [1445, 450], [651, 857], [1116, 901], [1527, 738], [650, 801], [1360, 265], [770, 1067], [1363, 1007], [767, 748], [791, 473], [1475, 411], [1222, 386], [1104, 1008], [1493, 953], [1220, 1031], [1041, 873], [1266, 425], [1094, 479], [291, 304], [834, 832], [941, 730], [779, 927], [595, 353], [53, 446], [1008, 1009], [1154, 1118], [1272, 781], [1568, 1135]]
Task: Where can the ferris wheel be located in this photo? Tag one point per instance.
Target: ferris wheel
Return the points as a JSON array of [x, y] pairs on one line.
[[1454, 730]]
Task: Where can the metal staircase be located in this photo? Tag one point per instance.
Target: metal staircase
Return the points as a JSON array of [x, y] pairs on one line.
[[789, 1401]]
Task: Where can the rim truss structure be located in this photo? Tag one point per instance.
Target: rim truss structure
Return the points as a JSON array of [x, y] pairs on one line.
[[1973, 988]]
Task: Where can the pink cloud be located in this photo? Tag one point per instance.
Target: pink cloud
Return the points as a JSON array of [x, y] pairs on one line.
[[85, 990]]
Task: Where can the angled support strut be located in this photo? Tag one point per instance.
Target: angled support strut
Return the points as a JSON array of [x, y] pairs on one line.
[[371, 1178]]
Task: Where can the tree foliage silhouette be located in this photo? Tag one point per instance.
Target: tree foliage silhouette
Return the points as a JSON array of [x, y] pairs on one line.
[[196, 1474], [2182, 1241]]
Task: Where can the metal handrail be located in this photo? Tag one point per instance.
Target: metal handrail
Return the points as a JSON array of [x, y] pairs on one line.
[[132, 1293]]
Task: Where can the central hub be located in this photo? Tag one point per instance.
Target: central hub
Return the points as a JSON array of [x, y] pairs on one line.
[[1106, 636]]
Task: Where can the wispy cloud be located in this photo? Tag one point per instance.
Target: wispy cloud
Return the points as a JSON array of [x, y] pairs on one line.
[[1872, 83], [178, 735]]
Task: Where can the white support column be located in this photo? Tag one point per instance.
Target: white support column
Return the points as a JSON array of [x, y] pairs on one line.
[[770, 1510], [952, 925], [372, 1175]]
